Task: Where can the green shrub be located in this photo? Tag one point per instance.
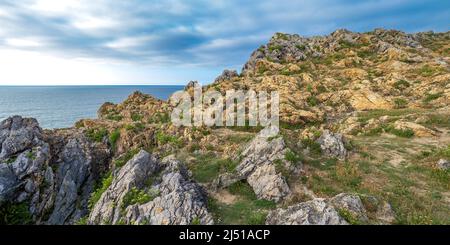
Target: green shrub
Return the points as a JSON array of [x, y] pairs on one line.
[[159, 118], [97, 193], [400, 103], [312, 101], [15, 214], [136, 117], [163, 139], [122, 160], [292, 157], [405, 133], [312, 145], [401, 84], [136, 196], [114, 137], [430, 97], [96, 134]]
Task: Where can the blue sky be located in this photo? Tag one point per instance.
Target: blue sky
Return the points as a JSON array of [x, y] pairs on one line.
[[174, 41]]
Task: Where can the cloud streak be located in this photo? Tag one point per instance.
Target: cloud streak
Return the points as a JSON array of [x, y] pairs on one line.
[[203, 33]]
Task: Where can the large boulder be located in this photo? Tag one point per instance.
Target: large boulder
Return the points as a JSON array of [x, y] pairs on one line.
[[257, 167], [332, 144], [52, 172], [164, 192], [351, 204]]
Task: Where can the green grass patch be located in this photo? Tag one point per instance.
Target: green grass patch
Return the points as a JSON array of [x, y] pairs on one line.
[[15, 214], [97, 193], [96, 134]]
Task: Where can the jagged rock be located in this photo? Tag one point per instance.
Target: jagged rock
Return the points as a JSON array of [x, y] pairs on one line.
[[267, 184], [180, 201], [352, 204], [443, 164], [257, 167], [226, 76], [18, 134], [175, 199], [314, 212], [132, 175], [332, 144], [27, 174]]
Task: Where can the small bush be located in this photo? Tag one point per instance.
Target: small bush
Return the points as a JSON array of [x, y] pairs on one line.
[[430, 97], [97, 194], [400, 103], [122, 160], [114, 137], [163, 139], [136, 196], [312, 101], [136, 117], [401, 84], [96, 134], [15, 214], [405, 133]]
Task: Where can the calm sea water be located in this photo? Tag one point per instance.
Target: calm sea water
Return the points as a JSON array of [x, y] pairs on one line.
[[62, 106]]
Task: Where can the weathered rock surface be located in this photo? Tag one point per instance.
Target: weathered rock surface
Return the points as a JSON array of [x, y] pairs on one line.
[[175, 198], [332, 144], [52, 172], [257, 167], [443, 164], [352, 204], [314, 212]]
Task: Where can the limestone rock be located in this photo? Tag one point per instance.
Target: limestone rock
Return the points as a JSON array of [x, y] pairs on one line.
[[352, 204], [443, 164], [314, 212], [332, 144]]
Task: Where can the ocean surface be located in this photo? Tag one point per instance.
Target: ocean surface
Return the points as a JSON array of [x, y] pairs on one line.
[[62, 106]]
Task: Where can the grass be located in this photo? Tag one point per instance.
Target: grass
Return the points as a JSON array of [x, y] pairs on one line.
[[400, 103], [401, 84], [122, 160], [246, 211], [208, 167], [135, 127], [313, 146], [114, 137], [97, 193], [136, 117], [159, 118], [96, 134], [163, 139], [136, 196], [430, 97], [312, 101]]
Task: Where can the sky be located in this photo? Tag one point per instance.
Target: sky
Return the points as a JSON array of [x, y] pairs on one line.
[[87, 42]]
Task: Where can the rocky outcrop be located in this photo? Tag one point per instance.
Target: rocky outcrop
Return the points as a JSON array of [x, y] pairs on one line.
[[332, 144], [226, 76], [314, 212], [53, 172], [146, 191], [257, 167], [341, 209]]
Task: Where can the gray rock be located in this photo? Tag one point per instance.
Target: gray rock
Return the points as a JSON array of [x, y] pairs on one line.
[[132, 175], [257, 167], [226, 76], [352, 204], [174, 198], [314, 212], [332, 144], [26, 174], [443, 164]]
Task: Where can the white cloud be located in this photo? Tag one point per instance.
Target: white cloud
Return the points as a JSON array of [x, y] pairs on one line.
[[24, 43]]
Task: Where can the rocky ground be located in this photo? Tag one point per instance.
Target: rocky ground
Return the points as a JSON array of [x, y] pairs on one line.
[[364, 138]]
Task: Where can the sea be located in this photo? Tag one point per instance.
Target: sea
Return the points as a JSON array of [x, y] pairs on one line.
[[61, 106]]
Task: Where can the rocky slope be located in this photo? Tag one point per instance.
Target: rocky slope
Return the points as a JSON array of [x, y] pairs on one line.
[[364, 139]]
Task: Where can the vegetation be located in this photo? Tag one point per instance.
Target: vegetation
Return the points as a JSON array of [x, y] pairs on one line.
[[207, 167], [97, 193], [247, 210], [114, 137], [123, 159], [96, 134], [136, 196], [15, 214]]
